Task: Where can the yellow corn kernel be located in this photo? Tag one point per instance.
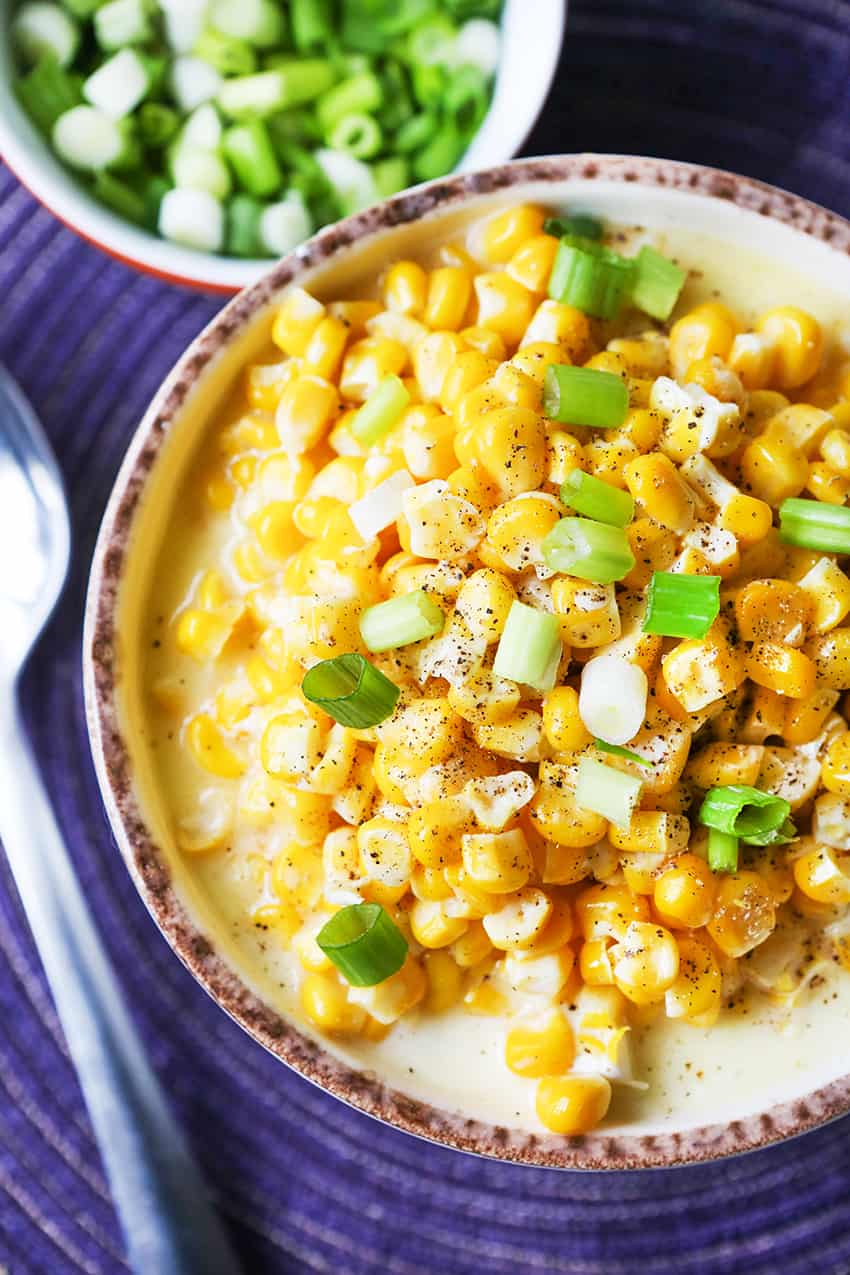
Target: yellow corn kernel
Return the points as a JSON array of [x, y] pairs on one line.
[[823, 874], [644, 356], [209, 825], [384, 851], [432, 927], [684, 893], [265, 383], [432, 358], [512, 449], [698, 986], [652, 832], [295, 322], [354, 803], [396, 995], [718, 764], [470, 369], [204, 634], [645, 962], [516, 529], [642, 428], [405, 288], [445, 981], [713, 375], [748, 519], [218, 490], [325, 348], [449, 290], [835, 450], [354, 314], [595, 963], [498, 862], [797, 340], [588, 614], [772, 611], [565, 454], [255, 431], [306, 408], [653, 549], [562, 726], [608, 361], [831, 654], [503, 305], [520, 919], [484, 600], [752, 358], [773, 470], [801, 426], [488, 343], [273, 527], [782, 669], [557, 816], [429, 883], [745, 913], [824, 483], [560, 325], [504, 233], [517, 736], [655, 482], [572, 1105], [698, 672], [835, 770], [483, 699], [515, 387], [804, 719], [828, 591], [606, 911], [325, 1002], [206, 745], [424, 733], [473, 946], [435, 829], [541, 1047], [367, 363], [531, 263], [609, 457], [708, 330]]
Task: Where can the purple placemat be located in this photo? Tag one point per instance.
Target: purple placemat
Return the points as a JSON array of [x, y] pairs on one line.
[[305, 1183]]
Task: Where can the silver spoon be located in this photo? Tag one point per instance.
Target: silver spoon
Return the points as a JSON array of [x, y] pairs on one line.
[[169, 1224]]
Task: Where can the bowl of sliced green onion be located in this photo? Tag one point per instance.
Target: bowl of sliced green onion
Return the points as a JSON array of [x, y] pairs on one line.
[[200, 139]]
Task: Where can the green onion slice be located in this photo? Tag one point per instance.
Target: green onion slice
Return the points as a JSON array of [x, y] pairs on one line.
[[584, 396], [616, 750], [381, 411], [530, 648], [681, 605], [590, 277], [580, 224], [606, 791], [657, 283], [597, 499], [590, 550], [351, 691], [364, 944], [758, 818], [812, 524], [400, 621], [722, 851]]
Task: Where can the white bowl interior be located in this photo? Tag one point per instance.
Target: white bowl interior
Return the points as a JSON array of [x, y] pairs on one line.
[[530, 57], [697, 1077]]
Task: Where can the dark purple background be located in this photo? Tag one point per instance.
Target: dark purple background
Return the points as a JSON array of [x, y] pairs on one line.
[[760, 86]]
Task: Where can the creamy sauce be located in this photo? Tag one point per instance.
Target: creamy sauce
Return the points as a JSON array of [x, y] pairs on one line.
[[456, 1060]]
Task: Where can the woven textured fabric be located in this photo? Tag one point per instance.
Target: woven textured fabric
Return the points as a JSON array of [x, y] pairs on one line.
[[306, 1184]]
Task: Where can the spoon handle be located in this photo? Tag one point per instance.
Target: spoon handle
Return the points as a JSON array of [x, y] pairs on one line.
[[169, 1224]]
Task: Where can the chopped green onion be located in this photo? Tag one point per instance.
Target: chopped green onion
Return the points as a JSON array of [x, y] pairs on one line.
[[416, 132], [606, 791], [597, 499], [616, 750], [580, 225], [589, 550], [813, 524], [43, 30], [359, 95], [351, 691], [48, 92], [260, 22], [681, 605], [466, 100], [747, 813], [429, 85], [227, 53], [157, 124], [381, 411], [268, 92], [121, 198], [440, 154], [364, 944], [722, 851], [585, 396], [311, 24], [590, 277], [251, 155], [400, 621], [358, 134], [242, 232], [657, 283], [391, 176], [530, 648]]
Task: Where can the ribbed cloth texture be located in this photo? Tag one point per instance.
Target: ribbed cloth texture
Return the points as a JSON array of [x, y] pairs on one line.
[[306, 1184]]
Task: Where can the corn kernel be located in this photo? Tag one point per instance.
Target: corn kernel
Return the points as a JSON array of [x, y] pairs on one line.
[[685, 892], [572, 1105], [798, 344], [499, 863], [745, 913]]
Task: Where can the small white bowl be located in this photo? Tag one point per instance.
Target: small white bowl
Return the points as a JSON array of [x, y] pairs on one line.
[[530, 52]]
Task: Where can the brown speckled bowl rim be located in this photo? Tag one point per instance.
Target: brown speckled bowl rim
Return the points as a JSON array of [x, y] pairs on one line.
[[146, 861]]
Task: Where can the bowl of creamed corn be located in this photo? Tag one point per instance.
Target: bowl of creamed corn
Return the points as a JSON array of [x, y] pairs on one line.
[[467, 658]]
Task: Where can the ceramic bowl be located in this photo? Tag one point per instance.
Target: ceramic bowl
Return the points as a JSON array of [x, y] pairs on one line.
[[719, 1098], [530, 52]]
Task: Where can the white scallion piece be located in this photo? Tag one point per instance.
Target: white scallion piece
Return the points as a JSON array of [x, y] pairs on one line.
[[197, 169], [612, 698], [184, 22], [478, 44], [194, 82], [193, 218], [351, 179], [87, 139], [285, 224], [202, 128], [381, 506], [40, 30], [120, 23], [118, 85]]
